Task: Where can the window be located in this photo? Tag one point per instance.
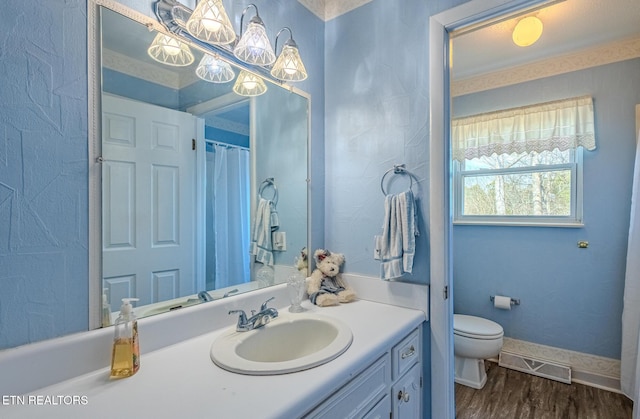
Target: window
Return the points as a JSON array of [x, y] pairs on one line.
[[522, 166]]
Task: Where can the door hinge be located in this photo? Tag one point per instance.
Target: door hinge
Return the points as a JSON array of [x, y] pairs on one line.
[[193, 144], [445, 292]]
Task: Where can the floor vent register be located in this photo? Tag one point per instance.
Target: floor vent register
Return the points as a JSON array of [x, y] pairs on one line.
[[537, 367]]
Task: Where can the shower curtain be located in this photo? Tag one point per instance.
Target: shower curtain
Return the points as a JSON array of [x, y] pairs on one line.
[[630, 365], [227, 216]]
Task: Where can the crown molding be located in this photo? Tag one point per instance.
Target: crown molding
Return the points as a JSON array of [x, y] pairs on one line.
[[330, 9], [625, 49]]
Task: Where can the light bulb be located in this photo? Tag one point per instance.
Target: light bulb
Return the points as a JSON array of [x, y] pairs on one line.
[[250, 85], [210, 23], [527, 31]]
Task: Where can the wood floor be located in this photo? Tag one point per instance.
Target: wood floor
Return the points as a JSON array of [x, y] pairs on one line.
[[510, 394]]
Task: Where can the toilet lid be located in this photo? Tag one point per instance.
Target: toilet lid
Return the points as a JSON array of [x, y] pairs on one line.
[[476, 327]]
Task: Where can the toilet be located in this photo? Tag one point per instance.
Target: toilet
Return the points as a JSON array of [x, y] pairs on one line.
[[474, 340]]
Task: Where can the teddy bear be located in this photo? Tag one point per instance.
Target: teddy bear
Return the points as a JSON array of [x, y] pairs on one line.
[[302, 261], [325, 286]]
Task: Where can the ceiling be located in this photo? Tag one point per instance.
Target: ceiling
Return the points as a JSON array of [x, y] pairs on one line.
[[569, 26]]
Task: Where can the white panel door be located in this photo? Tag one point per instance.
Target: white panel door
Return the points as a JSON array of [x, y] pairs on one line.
[[148, 201]]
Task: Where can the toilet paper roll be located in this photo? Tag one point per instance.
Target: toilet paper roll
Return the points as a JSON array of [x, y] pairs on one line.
[[502, 302]]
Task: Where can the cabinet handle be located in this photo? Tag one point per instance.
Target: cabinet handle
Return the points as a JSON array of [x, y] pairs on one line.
[[403, 396], [409, 353]]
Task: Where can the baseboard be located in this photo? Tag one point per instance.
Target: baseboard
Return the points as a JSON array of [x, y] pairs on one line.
[[592, 370]]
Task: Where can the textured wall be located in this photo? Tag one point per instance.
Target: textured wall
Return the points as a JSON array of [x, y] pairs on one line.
[[571, 297], [377, 115], [43, 171]]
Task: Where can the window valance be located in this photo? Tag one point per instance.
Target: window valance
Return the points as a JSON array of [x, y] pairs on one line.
[[562, 124]]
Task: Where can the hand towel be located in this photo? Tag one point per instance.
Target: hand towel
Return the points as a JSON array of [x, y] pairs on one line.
[[395, 248], [261, 244]]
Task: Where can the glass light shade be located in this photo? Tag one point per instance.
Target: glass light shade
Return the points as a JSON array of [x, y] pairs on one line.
[[527, 31], [214, 70], [289, 65], [169, 50], [248, 84], [209, 23], [254, 46]]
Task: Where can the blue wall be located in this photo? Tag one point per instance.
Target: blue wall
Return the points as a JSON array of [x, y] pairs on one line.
[[43, 171], [377, 115], [135, 88], [571, 298]]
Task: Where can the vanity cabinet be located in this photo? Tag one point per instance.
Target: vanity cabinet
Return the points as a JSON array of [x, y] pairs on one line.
[[406, 391], [390, 387]]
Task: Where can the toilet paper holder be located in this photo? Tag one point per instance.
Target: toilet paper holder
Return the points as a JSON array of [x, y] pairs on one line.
[[514, 301]]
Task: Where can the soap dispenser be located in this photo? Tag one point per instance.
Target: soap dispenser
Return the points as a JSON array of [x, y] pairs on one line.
[[125, 359]]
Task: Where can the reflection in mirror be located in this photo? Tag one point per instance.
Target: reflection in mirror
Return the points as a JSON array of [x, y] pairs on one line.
[[204, 191]]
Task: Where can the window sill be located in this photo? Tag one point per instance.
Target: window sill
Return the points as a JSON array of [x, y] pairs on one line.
[[520, 223]]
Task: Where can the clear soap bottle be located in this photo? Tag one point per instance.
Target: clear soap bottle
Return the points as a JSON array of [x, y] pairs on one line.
[[125, 359]]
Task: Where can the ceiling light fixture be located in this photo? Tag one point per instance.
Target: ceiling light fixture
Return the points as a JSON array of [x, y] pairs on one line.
[[527, 31], [168, 50], [289, 65], [248, 84], [209, 23], [214, 70], [254, 46]]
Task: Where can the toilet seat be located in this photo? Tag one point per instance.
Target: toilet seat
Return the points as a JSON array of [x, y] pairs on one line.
[[476, 327]]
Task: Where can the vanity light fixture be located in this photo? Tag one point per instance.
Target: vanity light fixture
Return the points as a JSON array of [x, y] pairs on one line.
[[254, 46], [209, 23], [214, 70], [527, 31], [168, 50], [248, 84], [289, 65]]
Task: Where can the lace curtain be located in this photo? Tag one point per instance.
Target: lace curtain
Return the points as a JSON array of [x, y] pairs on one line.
[[562, 124]]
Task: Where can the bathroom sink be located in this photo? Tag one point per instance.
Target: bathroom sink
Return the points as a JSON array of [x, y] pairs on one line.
[[289, 343]]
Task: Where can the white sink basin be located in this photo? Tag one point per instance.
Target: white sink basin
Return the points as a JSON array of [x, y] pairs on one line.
[[289, 343]]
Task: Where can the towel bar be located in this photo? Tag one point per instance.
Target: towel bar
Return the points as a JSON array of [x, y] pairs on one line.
[[398, 169], [265, 184]]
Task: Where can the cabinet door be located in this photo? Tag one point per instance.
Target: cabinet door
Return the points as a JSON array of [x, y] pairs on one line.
[[380, 410], [406, 395], [359, 395]]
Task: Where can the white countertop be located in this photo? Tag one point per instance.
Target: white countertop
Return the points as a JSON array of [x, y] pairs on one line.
[[181, 381]]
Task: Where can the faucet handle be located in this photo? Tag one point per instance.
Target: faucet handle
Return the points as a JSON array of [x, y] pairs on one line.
[[242, 317], [264, 305]]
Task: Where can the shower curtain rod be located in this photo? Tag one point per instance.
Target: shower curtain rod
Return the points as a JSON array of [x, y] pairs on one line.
[[225, 144]]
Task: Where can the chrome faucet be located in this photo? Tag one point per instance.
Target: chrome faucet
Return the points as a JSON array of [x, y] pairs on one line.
[[204, 296], [256, 320], [226, 294]]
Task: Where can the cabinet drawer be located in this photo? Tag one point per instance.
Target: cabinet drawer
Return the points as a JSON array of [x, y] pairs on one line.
[[406, 353], [359, 395]]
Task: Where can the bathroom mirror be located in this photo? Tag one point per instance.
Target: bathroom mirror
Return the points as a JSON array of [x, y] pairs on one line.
[[182, 165]]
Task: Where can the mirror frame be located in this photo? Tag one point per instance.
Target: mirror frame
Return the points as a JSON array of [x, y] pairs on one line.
[[94, 127]]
